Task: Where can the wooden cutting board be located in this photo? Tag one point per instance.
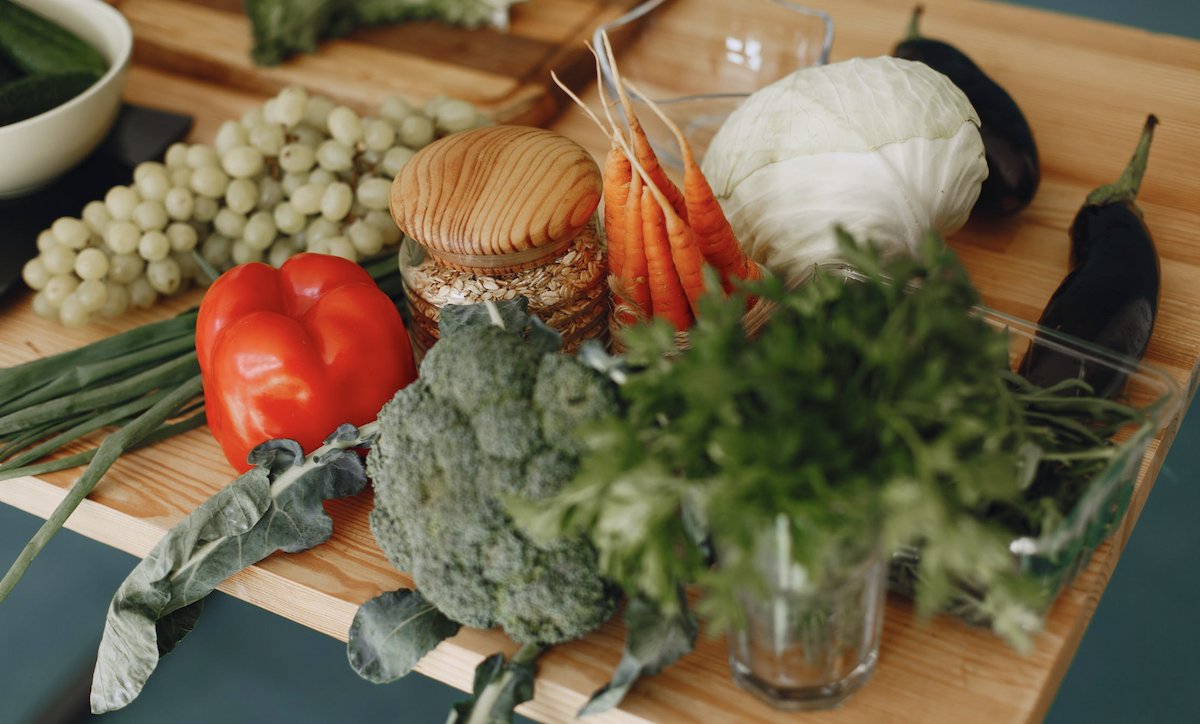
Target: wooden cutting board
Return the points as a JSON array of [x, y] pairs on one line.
[[1085, 86], [505, 74]]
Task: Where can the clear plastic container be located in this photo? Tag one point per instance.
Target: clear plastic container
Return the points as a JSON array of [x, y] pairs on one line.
[[1054, 558]]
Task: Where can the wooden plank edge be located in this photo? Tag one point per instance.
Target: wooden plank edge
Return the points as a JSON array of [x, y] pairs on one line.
[[1104, 563], [453, 662]]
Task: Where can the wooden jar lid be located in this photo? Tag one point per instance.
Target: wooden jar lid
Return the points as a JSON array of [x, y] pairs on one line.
[[496, 200]]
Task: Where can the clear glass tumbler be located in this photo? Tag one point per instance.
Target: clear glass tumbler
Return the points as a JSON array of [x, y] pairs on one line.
[[699, 60], [811, 644]]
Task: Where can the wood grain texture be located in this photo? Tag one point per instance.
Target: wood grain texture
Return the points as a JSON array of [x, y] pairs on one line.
[[1086, 88], [505, 74], [492, 193]]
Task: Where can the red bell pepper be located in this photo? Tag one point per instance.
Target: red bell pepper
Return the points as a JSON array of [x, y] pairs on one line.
[[296, 351]]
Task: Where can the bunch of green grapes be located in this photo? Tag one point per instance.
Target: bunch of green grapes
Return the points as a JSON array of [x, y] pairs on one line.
[[300, 173]]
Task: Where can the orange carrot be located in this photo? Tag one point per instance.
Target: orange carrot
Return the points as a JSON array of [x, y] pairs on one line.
[[666, 290], [616, 184], [617, 176], [671, 236], [714, 235], [635, 273], [641, 144], [681, 240]]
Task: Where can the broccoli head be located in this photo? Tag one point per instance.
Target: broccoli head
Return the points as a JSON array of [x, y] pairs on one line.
[[490, 416]]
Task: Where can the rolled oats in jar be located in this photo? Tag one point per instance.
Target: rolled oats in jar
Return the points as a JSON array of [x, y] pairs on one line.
[[498, 213]]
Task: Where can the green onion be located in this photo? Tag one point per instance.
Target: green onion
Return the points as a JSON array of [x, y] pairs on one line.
[[105, 456]]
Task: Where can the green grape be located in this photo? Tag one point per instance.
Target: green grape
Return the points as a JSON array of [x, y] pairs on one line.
[[150, 216], [117, 301], [72, 312], [200, 156], [58, 287], [241, 195], [124, 268], [260, 231], [121, 201], [229, 223], [183, 237], [141, 294], [164, 276], [59, 260], [91, 264], [154, 246], [34, 274], [243, 253], [242, 162], [122, 237], [210, 182], [336, 201], [93, 294]]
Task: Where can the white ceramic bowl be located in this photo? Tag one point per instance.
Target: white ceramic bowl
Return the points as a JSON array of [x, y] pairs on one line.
[[37, 150]]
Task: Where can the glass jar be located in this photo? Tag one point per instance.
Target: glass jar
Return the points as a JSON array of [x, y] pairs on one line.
[[569, 292], [809, 644]]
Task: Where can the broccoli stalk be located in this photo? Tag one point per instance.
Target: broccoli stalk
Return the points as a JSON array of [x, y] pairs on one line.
[[492, 417]]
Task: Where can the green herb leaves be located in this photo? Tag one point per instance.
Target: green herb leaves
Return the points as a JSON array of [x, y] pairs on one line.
[[874, 405]]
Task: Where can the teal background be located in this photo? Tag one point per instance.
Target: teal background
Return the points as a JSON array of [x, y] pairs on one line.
[[1137, 662]]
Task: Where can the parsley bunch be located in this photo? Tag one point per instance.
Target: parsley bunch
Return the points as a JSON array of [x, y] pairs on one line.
[[878, 412]]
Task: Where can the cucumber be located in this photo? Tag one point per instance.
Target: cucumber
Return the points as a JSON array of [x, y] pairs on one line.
[[8, 71], [26, 97], [36, 45]]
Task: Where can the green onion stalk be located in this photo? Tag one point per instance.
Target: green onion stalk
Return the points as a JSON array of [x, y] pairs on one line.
[[145, 382]]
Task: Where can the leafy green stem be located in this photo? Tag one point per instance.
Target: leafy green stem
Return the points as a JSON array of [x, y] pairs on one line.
[[168, 374], [83, 458], [106, 455]]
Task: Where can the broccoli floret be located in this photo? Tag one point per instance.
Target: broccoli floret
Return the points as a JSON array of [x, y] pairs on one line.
[[489, 417], [567, 394]]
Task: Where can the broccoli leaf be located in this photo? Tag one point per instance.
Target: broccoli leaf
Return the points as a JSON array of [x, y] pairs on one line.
[[513, 314], [274, 506], [391, 633], [543, 338], [499, 688], [653, 641]]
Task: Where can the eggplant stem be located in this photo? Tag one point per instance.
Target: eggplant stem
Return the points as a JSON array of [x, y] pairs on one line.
[[1126, 187], [914, 24]]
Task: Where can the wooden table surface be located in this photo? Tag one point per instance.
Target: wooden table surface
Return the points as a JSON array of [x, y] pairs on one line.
[[1086, 88]]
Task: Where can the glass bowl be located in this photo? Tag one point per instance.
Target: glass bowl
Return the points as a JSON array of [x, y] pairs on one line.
[[698, 63]]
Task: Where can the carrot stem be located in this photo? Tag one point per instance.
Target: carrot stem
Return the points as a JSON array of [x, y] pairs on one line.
[[714, 235], [641, 144]]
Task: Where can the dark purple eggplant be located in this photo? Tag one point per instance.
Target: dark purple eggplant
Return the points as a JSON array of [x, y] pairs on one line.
[[1110, 296], [1012, 157]]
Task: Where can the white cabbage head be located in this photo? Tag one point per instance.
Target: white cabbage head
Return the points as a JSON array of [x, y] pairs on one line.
[[884, 147]]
